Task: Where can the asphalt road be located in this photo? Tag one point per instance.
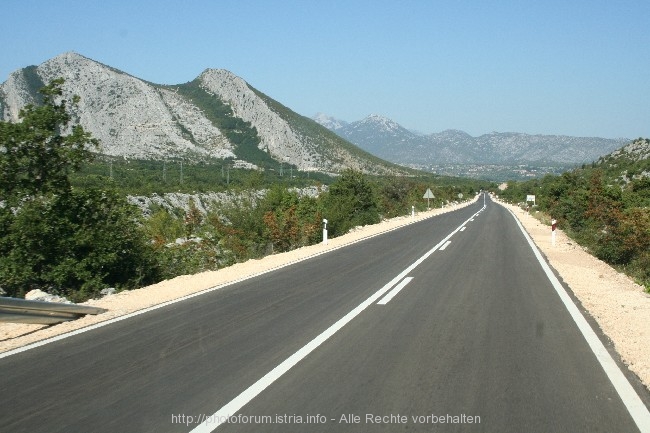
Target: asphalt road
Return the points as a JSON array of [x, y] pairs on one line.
[[477, 339]]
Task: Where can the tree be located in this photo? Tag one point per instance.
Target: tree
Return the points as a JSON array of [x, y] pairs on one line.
[[350, 202], [193, 219], [36, 158], [74, 245], [52, 237]]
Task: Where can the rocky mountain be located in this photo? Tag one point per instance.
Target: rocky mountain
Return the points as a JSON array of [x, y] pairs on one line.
[[329, 122], [217, 115], [387, 139], [379, 134]]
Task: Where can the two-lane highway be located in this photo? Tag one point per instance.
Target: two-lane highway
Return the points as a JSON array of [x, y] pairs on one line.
[[449, 324]]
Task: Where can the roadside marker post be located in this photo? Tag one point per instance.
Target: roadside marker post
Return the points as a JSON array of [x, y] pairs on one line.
[[324, 231], [553, 227]]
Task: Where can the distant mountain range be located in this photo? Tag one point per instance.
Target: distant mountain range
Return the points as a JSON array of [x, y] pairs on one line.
[[220, 116], [217, 115], [389, 140]]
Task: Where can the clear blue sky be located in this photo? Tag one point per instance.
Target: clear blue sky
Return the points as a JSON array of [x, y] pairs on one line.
[[574, 67]]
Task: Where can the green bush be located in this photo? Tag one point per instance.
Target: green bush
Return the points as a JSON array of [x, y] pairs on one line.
[[350, 202], [74, 245]]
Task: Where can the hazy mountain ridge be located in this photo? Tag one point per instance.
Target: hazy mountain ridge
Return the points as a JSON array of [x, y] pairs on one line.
[[329, 122], [390, 141], [136, 119]]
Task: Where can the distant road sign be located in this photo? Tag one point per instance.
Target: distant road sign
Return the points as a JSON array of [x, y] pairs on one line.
[[428, 195]]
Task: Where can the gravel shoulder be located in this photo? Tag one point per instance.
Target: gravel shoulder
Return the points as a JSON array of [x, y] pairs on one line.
[[619, 305]]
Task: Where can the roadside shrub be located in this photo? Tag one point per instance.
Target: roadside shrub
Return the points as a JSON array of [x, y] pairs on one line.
[[350, 202], [74, 245]]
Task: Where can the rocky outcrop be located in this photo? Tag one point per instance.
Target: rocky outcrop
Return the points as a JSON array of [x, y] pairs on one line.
[[637, 150], [277, 136], [206, 202], [39, 295]]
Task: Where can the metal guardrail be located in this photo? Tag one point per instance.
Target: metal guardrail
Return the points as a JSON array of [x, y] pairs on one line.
[[15, 310]]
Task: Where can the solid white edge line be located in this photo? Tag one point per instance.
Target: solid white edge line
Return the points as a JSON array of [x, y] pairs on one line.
[[631, 399], [191, 295], [219, 417], [390, 295]]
